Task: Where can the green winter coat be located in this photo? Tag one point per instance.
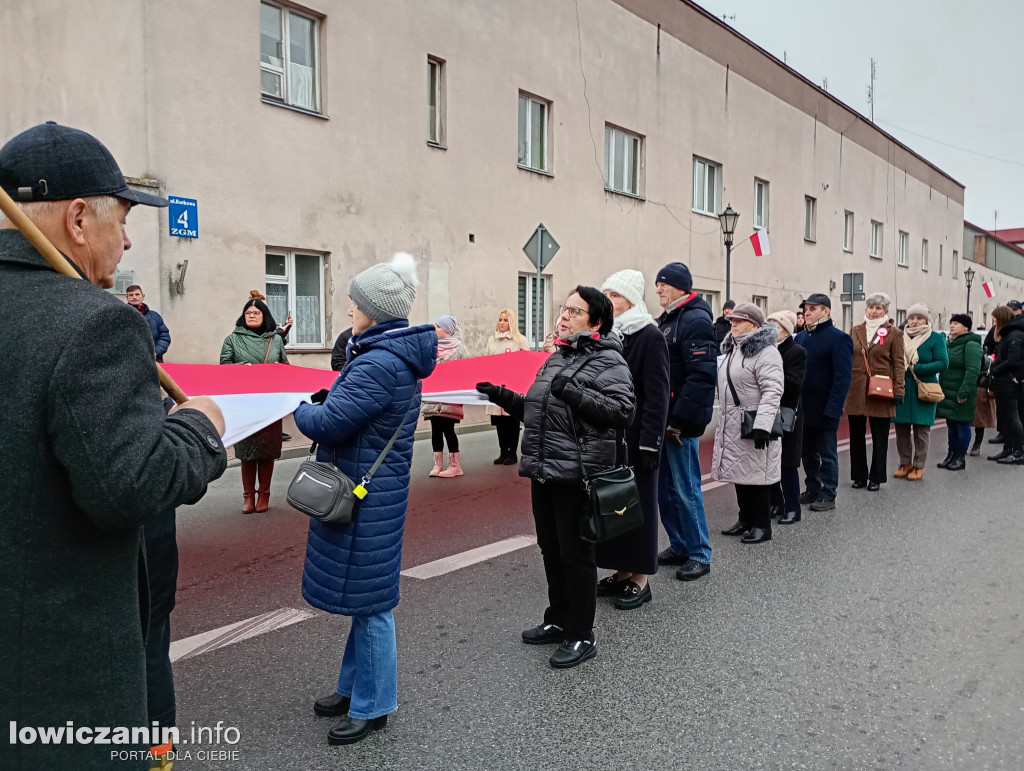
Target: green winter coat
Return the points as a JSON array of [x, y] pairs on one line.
[[932, 360], [243, 346], [960, 380]]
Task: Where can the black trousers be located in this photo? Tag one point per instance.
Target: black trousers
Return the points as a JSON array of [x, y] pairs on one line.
[[159, 677], [786, 492], [508, 433], [859, 471], [442, 429], [755, 505], [569, 562], [1010, 424]]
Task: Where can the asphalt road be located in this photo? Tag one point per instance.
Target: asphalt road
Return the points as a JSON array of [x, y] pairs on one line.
[[885, 634]]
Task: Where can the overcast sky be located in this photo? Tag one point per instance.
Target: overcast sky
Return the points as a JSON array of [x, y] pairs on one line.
[[949, 78]]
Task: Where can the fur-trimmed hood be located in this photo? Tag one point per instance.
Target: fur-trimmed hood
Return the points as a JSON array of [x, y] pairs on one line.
[[754, 342]]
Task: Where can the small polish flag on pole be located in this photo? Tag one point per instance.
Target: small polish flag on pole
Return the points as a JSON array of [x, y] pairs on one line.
[[760, 243], [989, 291]]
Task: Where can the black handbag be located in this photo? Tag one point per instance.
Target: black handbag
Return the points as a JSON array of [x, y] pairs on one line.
[[320, 490], [611, 500], [747, 417]]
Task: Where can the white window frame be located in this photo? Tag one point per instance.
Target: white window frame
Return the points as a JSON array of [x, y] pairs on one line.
[[436, 93], [901, 316], [762, 201], [761, 301], [956, 265], [707, 193], [847, 320], [286, 12], [924, 254], [810, 218], [848, 222], [525, 146], [875, 248], [903, 249], [289, 280], [633, 159], [528, 281], [711, 298]]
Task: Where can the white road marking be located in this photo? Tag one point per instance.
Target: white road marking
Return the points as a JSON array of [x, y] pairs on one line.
[[471, 557], [240, 630]]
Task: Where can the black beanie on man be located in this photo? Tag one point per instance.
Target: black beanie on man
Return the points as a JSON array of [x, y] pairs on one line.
[[676, 274]]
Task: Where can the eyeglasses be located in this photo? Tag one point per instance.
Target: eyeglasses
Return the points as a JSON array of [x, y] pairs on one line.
[[572, 311], [254, 313]]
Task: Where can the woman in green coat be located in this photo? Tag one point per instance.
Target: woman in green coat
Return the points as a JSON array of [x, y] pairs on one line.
[[924, 352], [960, 386], [255, 341]]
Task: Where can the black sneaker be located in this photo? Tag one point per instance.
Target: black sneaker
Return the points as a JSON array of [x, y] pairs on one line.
[[573, 652], [543, 634], [823, 504], [672, 557], [808, 497], [693, 570]]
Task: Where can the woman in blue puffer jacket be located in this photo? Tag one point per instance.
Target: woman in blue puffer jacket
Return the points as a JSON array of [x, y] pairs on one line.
[[353, 570]]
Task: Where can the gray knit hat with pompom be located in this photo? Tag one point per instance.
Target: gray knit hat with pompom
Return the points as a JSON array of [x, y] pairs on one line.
[[386, 291]]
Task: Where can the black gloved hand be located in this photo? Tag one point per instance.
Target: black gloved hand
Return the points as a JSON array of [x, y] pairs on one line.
[[897, 401], [320, 396], [489, 390], [558, 385], [761, 438], [649, 460]]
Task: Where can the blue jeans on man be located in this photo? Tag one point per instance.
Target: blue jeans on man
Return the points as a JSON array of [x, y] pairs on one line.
[[369, 668], [821, 462], [681, 501]]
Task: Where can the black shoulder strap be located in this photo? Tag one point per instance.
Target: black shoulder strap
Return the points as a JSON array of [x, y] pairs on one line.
[[728, 377]]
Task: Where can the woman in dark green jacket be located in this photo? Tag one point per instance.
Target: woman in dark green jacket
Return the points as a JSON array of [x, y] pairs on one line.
[[924, 352], [960, 387], [255, 341]]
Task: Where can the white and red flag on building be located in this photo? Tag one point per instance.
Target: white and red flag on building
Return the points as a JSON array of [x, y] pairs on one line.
[[990, 290], [253, 397], [760, 242]]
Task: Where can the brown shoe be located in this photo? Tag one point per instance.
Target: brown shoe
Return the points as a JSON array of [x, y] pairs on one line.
[[263, 501], [915, 473], [903, 471], [248, 503]]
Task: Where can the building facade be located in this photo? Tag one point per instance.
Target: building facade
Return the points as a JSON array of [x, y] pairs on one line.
[[996, 261], [318, 139]]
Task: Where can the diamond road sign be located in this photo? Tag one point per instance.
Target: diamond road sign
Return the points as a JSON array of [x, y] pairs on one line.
[[541, 248]]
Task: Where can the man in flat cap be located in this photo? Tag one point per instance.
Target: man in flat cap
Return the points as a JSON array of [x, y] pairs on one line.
[[89, 455], [829, 371]]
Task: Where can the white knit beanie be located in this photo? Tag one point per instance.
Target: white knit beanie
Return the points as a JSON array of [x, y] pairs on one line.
[[386, 291], [628, 283], [919, 309], [785, 319]]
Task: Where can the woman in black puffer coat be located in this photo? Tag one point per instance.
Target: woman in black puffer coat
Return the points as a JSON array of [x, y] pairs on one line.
[[1007, 374], [599, 399]]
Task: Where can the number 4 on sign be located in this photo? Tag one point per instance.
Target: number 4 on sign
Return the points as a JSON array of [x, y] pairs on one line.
[[183, 219]]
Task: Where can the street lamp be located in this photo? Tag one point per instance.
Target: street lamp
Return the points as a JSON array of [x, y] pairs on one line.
[[968, 280], [728, 219]]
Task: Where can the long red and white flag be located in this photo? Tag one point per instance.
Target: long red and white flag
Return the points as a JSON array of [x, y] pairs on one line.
[[990, 290], [760, 243], [253, 397]]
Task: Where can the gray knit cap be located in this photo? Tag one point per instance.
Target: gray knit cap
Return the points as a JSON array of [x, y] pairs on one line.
[[386, 291]]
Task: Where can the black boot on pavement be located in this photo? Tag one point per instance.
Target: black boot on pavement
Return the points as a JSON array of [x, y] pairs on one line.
[[693, 570], [999, 439], [572, 653], [543, 634], [334, 705], [672, 557], [738, 529], [958, 463], [789, 518], [1015, 458], [808, 497], [1007, 452], [947, 460], [823, 504], [757, 535], [351, 730]]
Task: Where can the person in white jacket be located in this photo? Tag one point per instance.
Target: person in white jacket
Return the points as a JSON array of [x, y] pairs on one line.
[[750, 380], [506, 339]]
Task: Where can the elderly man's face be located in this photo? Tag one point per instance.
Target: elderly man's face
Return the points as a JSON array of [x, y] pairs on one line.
[[815, 313], [102, 243], [667, 294]]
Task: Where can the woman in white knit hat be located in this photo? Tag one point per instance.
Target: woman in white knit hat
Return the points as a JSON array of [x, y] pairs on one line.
[[634, 555], [925, 356]]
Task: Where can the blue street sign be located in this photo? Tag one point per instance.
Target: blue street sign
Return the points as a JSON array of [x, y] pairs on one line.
[[183, 217]]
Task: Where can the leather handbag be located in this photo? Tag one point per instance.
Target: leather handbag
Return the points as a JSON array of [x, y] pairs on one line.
[[611, 500], [928, 392], [320, 490], [879, 386], [747, 417]]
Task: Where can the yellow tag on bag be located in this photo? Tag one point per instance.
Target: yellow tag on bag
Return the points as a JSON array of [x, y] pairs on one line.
[[359, 492]]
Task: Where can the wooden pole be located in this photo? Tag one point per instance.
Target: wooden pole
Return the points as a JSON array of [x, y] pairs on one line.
[[60, 264]]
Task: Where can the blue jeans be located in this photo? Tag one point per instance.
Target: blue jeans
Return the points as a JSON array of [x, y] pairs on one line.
[[959, 435], [681, 501], [821, 461], [369, 669]]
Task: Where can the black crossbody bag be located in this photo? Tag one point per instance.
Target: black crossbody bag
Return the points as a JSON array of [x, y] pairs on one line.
[[611, 501], [320, 490], [785, 418]]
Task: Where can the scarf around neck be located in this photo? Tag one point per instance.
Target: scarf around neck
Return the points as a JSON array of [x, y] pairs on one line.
[[871, 326], [913, 337], [446, 347], [633, 320]]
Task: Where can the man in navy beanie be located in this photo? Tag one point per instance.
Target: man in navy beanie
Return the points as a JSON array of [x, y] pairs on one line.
[[688, 325]]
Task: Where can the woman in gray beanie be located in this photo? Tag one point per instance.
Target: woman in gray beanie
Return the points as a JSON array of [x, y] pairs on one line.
[[353, 569]]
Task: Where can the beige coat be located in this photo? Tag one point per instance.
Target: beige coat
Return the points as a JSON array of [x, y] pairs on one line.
[[499, 343]]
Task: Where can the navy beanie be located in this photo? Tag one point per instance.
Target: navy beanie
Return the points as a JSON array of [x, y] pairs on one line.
[[675, 274]]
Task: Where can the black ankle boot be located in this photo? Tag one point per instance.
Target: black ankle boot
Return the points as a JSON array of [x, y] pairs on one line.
[[949, 458], [959, 461], [1006, 453], [351, 730]]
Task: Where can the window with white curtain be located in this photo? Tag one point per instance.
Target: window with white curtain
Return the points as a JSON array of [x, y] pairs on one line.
[[436, 101], [760, 203], [902, 254], [848, 231], [289, 57], [924, 254], [875, 248], [533, 133], [295, 285], [621, 161], [707, 187]]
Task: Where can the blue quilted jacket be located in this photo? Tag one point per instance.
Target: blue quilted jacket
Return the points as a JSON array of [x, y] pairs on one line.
[[353, 570]]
